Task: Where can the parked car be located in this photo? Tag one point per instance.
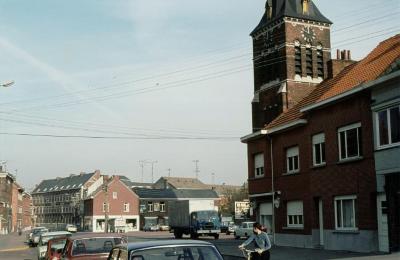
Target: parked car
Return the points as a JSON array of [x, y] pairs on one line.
[[231, 229], [166, 249], [31, 233], [164, 228], [151, 227], [91, 246], [36, 236], [244, 230], [44, 240], [71, 228]]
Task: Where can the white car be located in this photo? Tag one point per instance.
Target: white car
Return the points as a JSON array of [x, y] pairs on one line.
[[244, 230], [71, 228]]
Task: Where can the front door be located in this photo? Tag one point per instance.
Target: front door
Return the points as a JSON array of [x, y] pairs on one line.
[[383, 232]]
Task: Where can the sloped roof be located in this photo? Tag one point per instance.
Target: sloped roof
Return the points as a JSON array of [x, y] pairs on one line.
[[133, 184], [368, 69], [175, 194], [184, 183], [72, 182], [290, 8], [224, 188]]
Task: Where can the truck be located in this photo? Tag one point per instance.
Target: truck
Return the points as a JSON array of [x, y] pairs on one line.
[[194, 217]]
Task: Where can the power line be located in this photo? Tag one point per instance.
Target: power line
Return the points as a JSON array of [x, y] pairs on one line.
[[120, 137]]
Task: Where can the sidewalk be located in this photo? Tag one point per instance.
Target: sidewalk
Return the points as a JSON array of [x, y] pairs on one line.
[[12, 241]]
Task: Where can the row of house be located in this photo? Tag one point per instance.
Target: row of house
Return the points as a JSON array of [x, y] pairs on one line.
[[15, 205], [323, 157], [96, 202]]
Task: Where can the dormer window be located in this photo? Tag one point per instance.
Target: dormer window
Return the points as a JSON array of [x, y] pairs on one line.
[[268, 9], [306, 5]]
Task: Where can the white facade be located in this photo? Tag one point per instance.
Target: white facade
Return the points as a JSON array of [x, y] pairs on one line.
[[117, 223]]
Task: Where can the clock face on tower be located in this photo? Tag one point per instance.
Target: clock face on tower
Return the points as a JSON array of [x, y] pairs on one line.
[[308, 34]]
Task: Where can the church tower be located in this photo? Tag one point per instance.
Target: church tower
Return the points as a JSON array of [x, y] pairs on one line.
[[291, 47]]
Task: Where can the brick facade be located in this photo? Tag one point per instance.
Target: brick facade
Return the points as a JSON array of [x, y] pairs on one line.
[[122, 210]]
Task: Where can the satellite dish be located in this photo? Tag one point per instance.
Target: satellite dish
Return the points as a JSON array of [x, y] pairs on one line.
[[7, 83]]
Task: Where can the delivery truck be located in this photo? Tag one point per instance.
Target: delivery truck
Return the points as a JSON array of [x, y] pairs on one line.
[[194, 217]]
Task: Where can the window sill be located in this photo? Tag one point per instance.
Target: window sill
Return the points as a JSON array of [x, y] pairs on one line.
[[292, 228], [350, 231], [387, 147], [318, 166], [349, 160], [291, 173]]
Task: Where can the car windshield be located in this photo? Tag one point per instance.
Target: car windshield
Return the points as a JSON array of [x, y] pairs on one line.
[[175, 253], [207, 215], [96, 245]]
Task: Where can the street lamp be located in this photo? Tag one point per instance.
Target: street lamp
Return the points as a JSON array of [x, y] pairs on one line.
[[7, 84]]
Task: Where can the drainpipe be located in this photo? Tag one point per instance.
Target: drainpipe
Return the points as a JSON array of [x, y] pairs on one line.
[[272, 188]]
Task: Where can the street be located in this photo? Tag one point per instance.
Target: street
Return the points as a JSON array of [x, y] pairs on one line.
[[12, 247]]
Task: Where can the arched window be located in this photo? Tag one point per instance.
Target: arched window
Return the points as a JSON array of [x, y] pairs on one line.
[[320, 61], [297, 58], [309, 62], [306, 6]]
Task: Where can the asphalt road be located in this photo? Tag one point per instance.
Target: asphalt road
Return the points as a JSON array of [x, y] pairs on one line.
[[12, 247]]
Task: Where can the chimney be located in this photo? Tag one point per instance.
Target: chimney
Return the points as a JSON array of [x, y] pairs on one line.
[[343, 59]]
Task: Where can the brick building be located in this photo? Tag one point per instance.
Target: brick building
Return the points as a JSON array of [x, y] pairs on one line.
[[115, 201], [59, 201], [6, 187], [27, 211], [16, 205], [291, 48], [311, 170]]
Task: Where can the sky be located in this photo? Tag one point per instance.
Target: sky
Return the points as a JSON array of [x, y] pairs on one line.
[[164, 80]]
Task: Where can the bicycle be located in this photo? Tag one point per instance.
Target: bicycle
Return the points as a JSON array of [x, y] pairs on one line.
[[246, 252]]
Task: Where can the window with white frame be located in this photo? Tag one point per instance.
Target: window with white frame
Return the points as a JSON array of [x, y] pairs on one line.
[[388, 126], [156, 206], [106, 207], [150, 206], [115, 195], [126, 207], [295, 214], [318, 142], [162, 206], [349, 141], [259, 165], [345, 212], [292, 159]]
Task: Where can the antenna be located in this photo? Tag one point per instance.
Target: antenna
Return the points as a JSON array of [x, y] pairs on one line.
[[196, 169], [169, 172], [142, 163]]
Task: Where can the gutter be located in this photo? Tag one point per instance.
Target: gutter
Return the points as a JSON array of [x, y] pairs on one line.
[[298, 122], [359, 88], [253, 136], [261, 195]]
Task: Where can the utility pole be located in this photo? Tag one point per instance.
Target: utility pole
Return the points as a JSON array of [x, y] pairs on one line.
[[142, 163], [105, 188], [212, 178], [196, 169], [169, 172], [152, 170]]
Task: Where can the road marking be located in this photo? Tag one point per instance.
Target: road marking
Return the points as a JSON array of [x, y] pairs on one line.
[[15, 249]]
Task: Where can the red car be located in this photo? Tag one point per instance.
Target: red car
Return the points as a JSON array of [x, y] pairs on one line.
[[55, 247], [91, 246]]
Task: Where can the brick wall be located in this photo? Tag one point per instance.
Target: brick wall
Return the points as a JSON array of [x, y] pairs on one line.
[[334, 179], [124, 195]]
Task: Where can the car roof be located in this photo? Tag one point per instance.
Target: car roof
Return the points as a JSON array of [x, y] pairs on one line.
[[56, 233], [174, 242], [94, 235]]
